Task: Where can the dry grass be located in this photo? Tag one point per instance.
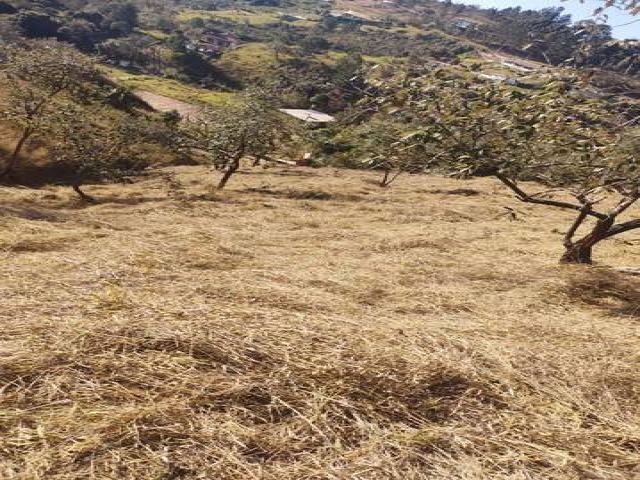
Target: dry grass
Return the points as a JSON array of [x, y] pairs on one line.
[[308, 325]]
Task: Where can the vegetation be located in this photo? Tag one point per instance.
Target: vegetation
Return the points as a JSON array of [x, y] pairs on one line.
[[317, 325], [383, 145], [247, 128], [112, 151], [559, 140], [35, 77], [169, 88], [303, 322], [233, 15]]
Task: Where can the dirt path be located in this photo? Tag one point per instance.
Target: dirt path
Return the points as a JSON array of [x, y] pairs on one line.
[[161, 103]]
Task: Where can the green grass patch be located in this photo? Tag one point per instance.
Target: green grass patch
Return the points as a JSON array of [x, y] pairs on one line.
[[409, 30], [329, 58], [250, 58], [332, 56], [157, 34], [168, 87], [237, 16], [382, 60]]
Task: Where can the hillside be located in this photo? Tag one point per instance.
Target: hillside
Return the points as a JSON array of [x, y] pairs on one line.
[[308, 324], [301, 240], [227, 46]]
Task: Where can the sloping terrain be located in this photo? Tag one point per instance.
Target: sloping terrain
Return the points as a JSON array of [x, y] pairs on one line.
[[161, 103], [306, 324]]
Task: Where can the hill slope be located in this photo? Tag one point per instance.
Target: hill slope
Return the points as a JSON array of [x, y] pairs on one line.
[[307, 324]]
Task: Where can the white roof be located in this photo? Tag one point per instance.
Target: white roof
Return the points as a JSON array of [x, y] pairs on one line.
[[497, 78], [308, 115]]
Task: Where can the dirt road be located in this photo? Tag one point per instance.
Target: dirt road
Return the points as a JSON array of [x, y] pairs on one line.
[[161, 103]]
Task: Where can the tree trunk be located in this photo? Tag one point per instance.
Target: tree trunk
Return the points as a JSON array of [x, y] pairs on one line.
[[82, 195], [580, 252], [577, 253], [15, 155], [385, 179], [231, 169]]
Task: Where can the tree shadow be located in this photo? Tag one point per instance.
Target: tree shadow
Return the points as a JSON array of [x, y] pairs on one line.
[[295, 194], [278, 173], [29, 212], [37, 176], [76, 203], [604, 288]]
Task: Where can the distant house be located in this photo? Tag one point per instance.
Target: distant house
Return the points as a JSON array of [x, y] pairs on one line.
[[464, 24], [349, 16], [287, 17], [500, 79], [309, 116], [214, 42]]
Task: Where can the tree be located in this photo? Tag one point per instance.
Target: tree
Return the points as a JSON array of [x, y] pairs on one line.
[[7, 9], [279, 49], [91, 151], [632, 6], [81, 33], [314, 44], [559, 140], [384, 145], [248, 128], [37, 25], [36, 77], [120, 17]]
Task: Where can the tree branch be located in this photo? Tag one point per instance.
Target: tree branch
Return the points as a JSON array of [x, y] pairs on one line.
[[584, 212], [526, 198], [622, 206], [623, 227]]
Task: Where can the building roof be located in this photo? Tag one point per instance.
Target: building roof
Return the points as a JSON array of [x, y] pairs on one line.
[[312, 116], [464, 24], [350, 14]]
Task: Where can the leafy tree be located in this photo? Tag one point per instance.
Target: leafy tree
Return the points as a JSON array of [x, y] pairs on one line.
[[383, 144], [121, 17], [89, 151], [561, 141], [632, 6], [314, 44], [36, 76], [81, 33], [7, 8], [37, 25], [249, 128]]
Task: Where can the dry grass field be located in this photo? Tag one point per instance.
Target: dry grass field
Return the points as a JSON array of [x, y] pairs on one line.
[[306, 324]]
